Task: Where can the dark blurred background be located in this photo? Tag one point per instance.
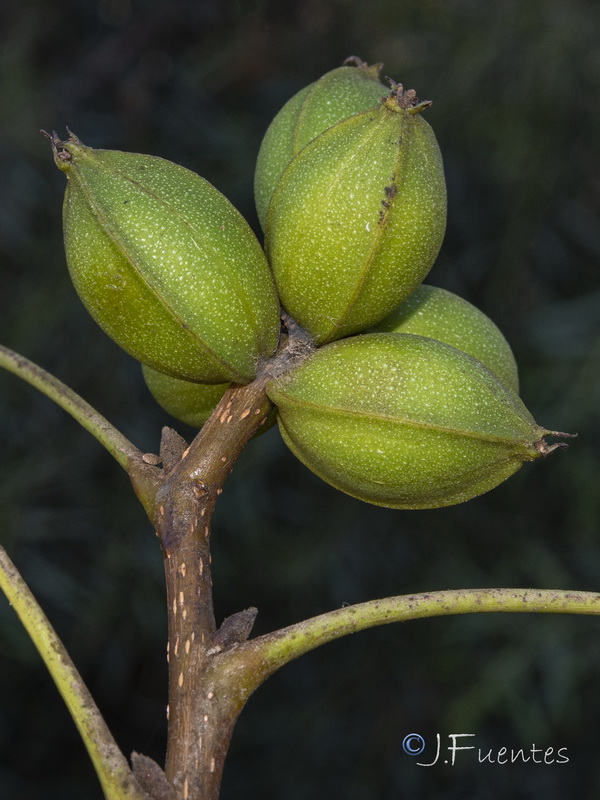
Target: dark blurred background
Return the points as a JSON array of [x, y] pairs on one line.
[[515, 87]]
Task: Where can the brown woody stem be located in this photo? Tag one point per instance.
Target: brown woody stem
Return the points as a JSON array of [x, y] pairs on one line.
[[203, 706], [198, 736]]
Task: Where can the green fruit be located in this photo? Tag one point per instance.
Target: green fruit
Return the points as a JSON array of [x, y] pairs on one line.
[[404, 421], [440, 314], [336, 95], [192, 403], [358, 218], [166, 265]]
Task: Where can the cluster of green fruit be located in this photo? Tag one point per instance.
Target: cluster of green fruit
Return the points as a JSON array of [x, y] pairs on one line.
[[409, 397]]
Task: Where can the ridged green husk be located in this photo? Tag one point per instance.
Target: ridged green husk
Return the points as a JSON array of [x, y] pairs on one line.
[[357, 221], [403, 421], [335, 96], [166, 265], [440, 314]]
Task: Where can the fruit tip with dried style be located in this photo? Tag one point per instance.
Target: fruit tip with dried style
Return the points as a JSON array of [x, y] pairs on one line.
[[374, 70], [405, 99], [546, 449]]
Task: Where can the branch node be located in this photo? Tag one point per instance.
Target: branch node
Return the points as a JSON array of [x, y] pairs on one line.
[[151, 778], [233, 630], [172, 448]]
